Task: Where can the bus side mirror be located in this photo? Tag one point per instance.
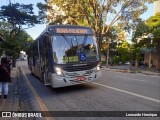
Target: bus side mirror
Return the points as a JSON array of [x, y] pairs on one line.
[[47, 33]]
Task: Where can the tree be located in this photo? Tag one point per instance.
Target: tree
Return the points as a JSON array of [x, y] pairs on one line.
[[13, 45], [10, 48], [123, 52], [24, 40], [95, 13], [4, 28], [154, 23], [18, 15], [135, 54], [143, 29], [15, 17], [139, 31], [109, 42]]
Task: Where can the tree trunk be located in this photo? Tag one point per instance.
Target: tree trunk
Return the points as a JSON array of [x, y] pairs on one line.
[[14, 63], [158, 65], [136, 64], [99, 39]]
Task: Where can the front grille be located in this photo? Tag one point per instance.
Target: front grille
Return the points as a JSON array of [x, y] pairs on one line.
[[71, 68]]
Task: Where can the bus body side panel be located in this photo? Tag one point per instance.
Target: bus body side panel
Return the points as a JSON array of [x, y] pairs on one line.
[[41, 41]]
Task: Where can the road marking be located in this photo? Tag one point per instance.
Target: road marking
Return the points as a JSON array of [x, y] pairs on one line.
[[127, 92], [38, 99], [130, 78]]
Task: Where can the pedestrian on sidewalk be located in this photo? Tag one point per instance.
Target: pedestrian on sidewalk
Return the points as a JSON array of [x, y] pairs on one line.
[[143, 64], [4, 77]]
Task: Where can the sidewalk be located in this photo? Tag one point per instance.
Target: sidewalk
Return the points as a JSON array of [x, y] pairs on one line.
[[12, 102], [133, 69]]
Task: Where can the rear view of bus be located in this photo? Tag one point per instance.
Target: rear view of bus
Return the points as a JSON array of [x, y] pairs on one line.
[[72, 56]]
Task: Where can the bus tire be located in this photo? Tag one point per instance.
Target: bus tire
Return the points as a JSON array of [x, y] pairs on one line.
[[32, 74]]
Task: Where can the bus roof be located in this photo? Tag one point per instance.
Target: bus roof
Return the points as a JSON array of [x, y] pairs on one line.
[[67, 29]]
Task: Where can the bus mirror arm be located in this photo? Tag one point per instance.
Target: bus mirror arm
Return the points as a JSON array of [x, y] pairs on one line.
[[47, 33]]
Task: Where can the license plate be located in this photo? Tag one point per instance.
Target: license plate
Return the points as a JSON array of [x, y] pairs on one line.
[[89, 71], [81, 78]]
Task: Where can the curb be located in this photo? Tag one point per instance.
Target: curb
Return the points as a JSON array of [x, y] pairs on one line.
[[142, 72], [117, 70], [16, 93], [129, 71]]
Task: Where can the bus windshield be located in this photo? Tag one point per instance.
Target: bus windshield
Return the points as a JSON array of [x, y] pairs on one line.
[[74, 49]]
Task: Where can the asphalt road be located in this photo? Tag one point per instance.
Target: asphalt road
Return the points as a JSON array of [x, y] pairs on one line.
[[114, 92]]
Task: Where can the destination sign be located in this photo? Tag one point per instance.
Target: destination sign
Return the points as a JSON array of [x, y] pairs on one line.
[[72, 30]]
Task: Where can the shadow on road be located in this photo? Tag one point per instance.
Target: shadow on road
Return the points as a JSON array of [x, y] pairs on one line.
[[62, 90], [74, 88]]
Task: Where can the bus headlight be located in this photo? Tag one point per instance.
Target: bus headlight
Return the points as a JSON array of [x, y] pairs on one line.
[[98, 68], [58, 71]]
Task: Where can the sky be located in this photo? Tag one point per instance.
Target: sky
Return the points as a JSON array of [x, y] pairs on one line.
[[37, 29]]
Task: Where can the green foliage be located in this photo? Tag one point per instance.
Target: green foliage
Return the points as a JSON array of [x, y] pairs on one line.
[[123, 52], [141, 28], [13, 45], [142, 38], [100, 15], [13, 18], [116, 59], [73, 12], [152, 25], [18, 15], [135, 53], [4, 28], [95, 13], [11, 48], [24, 40], [154, 21], [111, 36]]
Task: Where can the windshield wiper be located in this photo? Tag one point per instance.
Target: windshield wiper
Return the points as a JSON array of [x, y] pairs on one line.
[[84, 40], [70, 44]]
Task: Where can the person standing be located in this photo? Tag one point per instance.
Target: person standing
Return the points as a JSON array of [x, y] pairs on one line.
[[4, 77]]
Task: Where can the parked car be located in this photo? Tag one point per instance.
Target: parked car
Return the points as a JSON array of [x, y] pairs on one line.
[[127, 63], [22, 57]]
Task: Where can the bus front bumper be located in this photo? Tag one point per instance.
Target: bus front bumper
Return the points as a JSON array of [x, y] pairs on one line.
[[79, 78]]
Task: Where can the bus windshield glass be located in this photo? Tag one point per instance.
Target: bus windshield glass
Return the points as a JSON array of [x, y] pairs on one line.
[[74, 49]]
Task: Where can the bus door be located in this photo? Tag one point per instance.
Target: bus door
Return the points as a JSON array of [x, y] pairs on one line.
[[41, 57], [44, 60], [47, 59]]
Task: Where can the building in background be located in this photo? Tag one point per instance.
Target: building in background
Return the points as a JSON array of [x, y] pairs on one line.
[[156, 6]]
